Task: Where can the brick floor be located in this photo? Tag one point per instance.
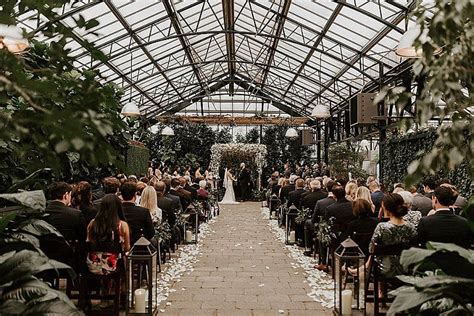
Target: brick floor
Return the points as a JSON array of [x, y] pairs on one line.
[[243, 270]]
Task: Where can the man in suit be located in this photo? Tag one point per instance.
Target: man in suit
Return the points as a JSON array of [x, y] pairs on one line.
[[110, 185], [309, 201], [429, 184], [285, 191], [186, 184], [376, 195], [294, 197], [244, 182], [167, 205], [174, 198], [137, 217], [177, 190], [68, 221], [420, 202], [342, 209], [444, 225]]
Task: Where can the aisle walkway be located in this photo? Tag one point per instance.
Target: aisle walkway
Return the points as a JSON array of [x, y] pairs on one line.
[[243, 270]]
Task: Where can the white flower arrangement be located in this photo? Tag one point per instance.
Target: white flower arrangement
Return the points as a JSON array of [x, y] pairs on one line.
[[218, 151]]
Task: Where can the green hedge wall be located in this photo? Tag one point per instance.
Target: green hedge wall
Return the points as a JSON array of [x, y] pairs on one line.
[[400, 151], [137, 160]]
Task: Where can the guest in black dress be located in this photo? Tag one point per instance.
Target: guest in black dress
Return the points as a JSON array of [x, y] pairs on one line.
[[81, 199]]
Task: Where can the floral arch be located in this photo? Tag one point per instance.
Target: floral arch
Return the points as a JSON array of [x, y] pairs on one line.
[[254, 153]]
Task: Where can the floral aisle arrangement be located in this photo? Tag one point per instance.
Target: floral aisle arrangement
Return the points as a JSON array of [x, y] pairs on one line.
[[302, 215], [254, 153]]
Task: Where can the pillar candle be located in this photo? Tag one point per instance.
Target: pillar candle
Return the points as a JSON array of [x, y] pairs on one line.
[[346, 302], [189, 236], [140, 301], [292, 236]]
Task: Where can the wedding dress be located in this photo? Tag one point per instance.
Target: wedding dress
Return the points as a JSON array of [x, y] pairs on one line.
[[229, 196]]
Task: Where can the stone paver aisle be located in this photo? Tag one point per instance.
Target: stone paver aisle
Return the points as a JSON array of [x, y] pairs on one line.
[[243, 270]]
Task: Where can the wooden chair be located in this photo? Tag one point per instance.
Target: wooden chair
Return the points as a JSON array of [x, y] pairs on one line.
[[374, 274]]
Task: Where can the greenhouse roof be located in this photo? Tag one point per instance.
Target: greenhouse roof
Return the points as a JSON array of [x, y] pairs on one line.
[[169, 55]]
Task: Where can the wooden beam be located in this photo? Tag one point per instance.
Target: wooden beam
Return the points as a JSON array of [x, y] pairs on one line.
[[229, 120]]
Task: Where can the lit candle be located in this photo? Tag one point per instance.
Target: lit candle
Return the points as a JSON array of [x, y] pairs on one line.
[[189, 236], [346, 302], [140, 301], [292, 236]]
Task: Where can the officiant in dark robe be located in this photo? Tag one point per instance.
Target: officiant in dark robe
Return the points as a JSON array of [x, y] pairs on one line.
[[244, 182]]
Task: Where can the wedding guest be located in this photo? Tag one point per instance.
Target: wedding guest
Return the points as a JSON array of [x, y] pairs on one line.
[[168, 206], [460, 201], [276, 188], [412, 216], [364, 193], [351, 189], [111, 186], [68, 221], [108, 236], [444, 225], [315, 194], [137, 217], [177, 190], [197, 173], [140, 187], [429, 184], [149, 201], [376, 195], [186, 184], [173, 197], [393, 232], [187, 171], [420, 202], [202, 191], [362, 224], [81, 199], [287, 188], [294, 197], [342, 209]]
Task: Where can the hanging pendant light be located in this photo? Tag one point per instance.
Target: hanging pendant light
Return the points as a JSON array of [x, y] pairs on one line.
[[130, 109], [167, 131], [12, 38], [320, 111], [406, 46], [291, 133]]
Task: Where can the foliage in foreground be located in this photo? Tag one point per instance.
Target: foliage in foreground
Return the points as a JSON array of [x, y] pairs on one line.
[[22, 263], [440, 281]]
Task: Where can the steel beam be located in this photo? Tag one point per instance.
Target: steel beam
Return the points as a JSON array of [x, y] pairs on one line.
[[398, 18], [137, 40], [228, 10], [190, 54], [281, 19], [318, 41]]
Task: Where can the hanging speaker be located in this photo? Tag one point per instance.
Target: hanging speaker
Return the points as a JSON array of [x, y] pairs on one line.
[[363, 109], [307, 137]]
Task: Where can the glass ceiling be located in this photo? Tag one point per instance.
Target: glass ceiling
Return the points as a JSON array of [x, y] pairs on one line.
[[169, 55]]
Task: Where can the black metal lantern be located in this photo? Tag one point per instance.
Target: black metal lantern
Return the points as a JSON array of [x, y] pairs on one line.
[[142, 291], [188, 219], [349, 289], [290, 216]]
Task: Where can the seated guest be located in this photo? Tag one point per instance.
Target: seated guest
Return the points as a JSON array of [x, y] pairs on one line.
[[287, 187], [149, 201], [276, 188], [68, 221], [459, 201], [394, 232], [315, 194], [137, 217], [108, 236], [429, 184], [178, 207], [111, 186], [81, 199], [363, 223], [322, 205], [444, 225], [177, 190], [412, 216], [202, 192], [364, 193], [351, 188], [376, 195], [420, 202], [140, 187], [342, 209], [169, 207], [186, 185], [272, 181], [294, 197]]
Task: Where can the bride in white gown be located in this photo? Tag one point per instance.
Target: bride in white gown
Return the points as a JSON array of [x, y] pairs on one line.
[[229, 196]]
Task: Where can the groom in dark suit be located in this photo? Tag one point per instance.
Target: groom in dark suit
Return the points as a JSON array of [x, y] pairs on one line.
[[244, 182]]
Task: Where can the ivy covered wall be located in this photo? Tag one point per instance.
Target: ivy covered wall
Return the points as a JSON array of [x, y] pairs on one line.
[[400, 151], [137, 159]]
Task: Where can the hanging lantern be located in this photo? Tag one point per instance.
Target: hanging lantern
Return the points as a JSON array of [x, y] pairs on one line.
[[142, 291], [349, 291], [406, 46], [167, 131], [12, 38], [320, 111], [130, 109], [291, 133]]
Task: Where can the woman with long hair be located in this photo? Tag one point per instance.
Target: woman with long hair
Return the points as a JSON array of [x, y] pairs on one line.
[[351, 189], [108, 237], [81, 199], [148, 200], [364, 194]]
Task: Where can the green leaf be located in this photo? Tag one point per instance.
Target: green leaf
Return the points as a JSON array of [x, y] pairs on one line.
[[38, 228], [31, 199], [409, 298]]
